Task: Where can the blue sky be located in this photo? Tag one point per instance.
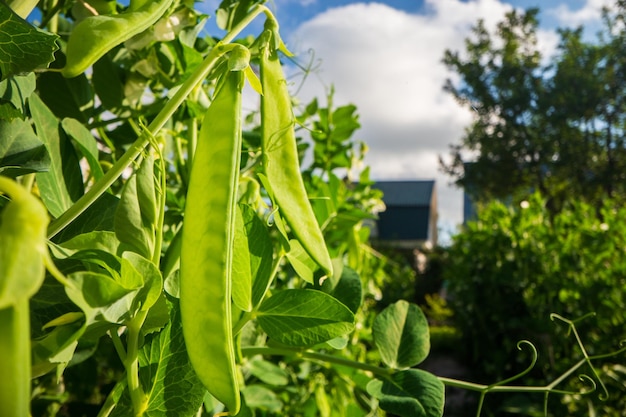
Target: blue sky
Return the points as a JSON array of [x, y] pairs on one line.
[[385, 57]]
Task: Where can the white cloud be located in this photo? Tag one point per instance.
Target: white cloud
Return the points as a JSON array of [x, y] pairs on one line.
[[590, 12], [388, 63]]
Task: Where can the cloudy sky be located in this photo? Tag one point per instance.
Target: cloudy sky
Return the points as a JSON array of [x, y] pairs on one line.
[[385, 57]]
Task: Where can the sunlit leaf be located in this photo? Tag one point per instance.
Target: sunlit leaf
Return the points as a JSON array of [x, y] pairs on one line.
[[260, 248], [410, 393], [135, 217], [23, 48], [401, 335], [63, 183], [299, 317]]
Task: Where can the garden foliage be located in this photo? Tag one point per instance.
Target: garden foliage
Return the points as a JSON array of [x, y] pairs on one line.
[[515, 266], [192, 267]]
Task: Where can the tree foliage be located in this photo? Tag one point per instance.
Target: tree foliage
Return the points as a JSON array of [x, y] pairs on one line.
[[552, 124]]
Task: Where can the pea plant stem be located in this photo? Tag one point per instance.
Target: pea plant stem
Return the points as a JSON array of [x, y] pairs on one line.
[[323, 357], [153, 128], [131, 364]]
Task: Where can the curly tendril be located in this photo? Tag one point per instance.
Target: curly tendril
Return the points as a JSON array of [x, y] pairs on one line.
[[590, 382]]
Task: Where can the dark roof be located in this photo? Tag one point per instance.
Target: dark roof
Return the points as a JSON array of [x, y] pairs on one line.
[[407, 193]]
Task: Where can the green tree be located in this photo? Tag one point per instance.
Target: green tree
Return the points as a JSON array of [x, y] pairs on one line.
[[556, 127]]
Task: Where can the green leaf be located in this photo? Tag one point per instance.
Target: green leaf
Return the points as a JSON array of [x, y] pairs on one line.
[[134, 285], [87, 144], [23, 48], [158, 316], [8, 112], [135, 217], [21, 152], [98, 217], [167, 377], [300, 317], [257, 396], [347, 288], [345, 123], [260, 251], [166, 374], [231, 12], [242, 276], [100, 297], [47, 304], [98, 240], [401, 335], [56, 348], [95, 260], [63, 184], [138, 272], [268, 372], [410, 393], [17, 90], [66, 97], [107, 82]]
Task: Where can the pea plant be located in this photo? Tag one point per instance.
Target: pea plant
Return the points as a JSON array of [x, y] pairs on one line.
[[156, 235]]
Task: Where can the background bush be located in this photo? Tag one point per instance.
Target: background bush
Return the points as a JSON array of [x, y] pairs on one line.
[[513, 267]]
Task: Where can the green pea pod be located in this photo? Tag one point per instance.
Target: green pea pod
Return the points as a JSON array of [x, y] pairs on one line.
[[23, 225], [207, 244], [22, 244], [280, 158], [97, 35]]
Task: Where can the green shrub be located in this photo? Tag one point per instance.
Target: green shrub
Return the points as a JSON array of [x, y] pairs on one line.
[[514, 266]]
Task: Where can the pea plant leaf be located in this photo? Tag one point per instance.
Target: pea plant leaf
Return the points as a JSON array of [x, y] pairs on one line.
[[17, 89], [21, 151], [260, 248], [346, 288], [258, 396], [268, 372], [98, 217], [410, 393], [107, 83], [97, 240], [23, 48], [304, 317], [174, 388], [86, 144], [62, 184], [135, 217], [66, 97], [100, 297], [56, 348], [401, 335], [168, 379], [230, 13], [138, 272]]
